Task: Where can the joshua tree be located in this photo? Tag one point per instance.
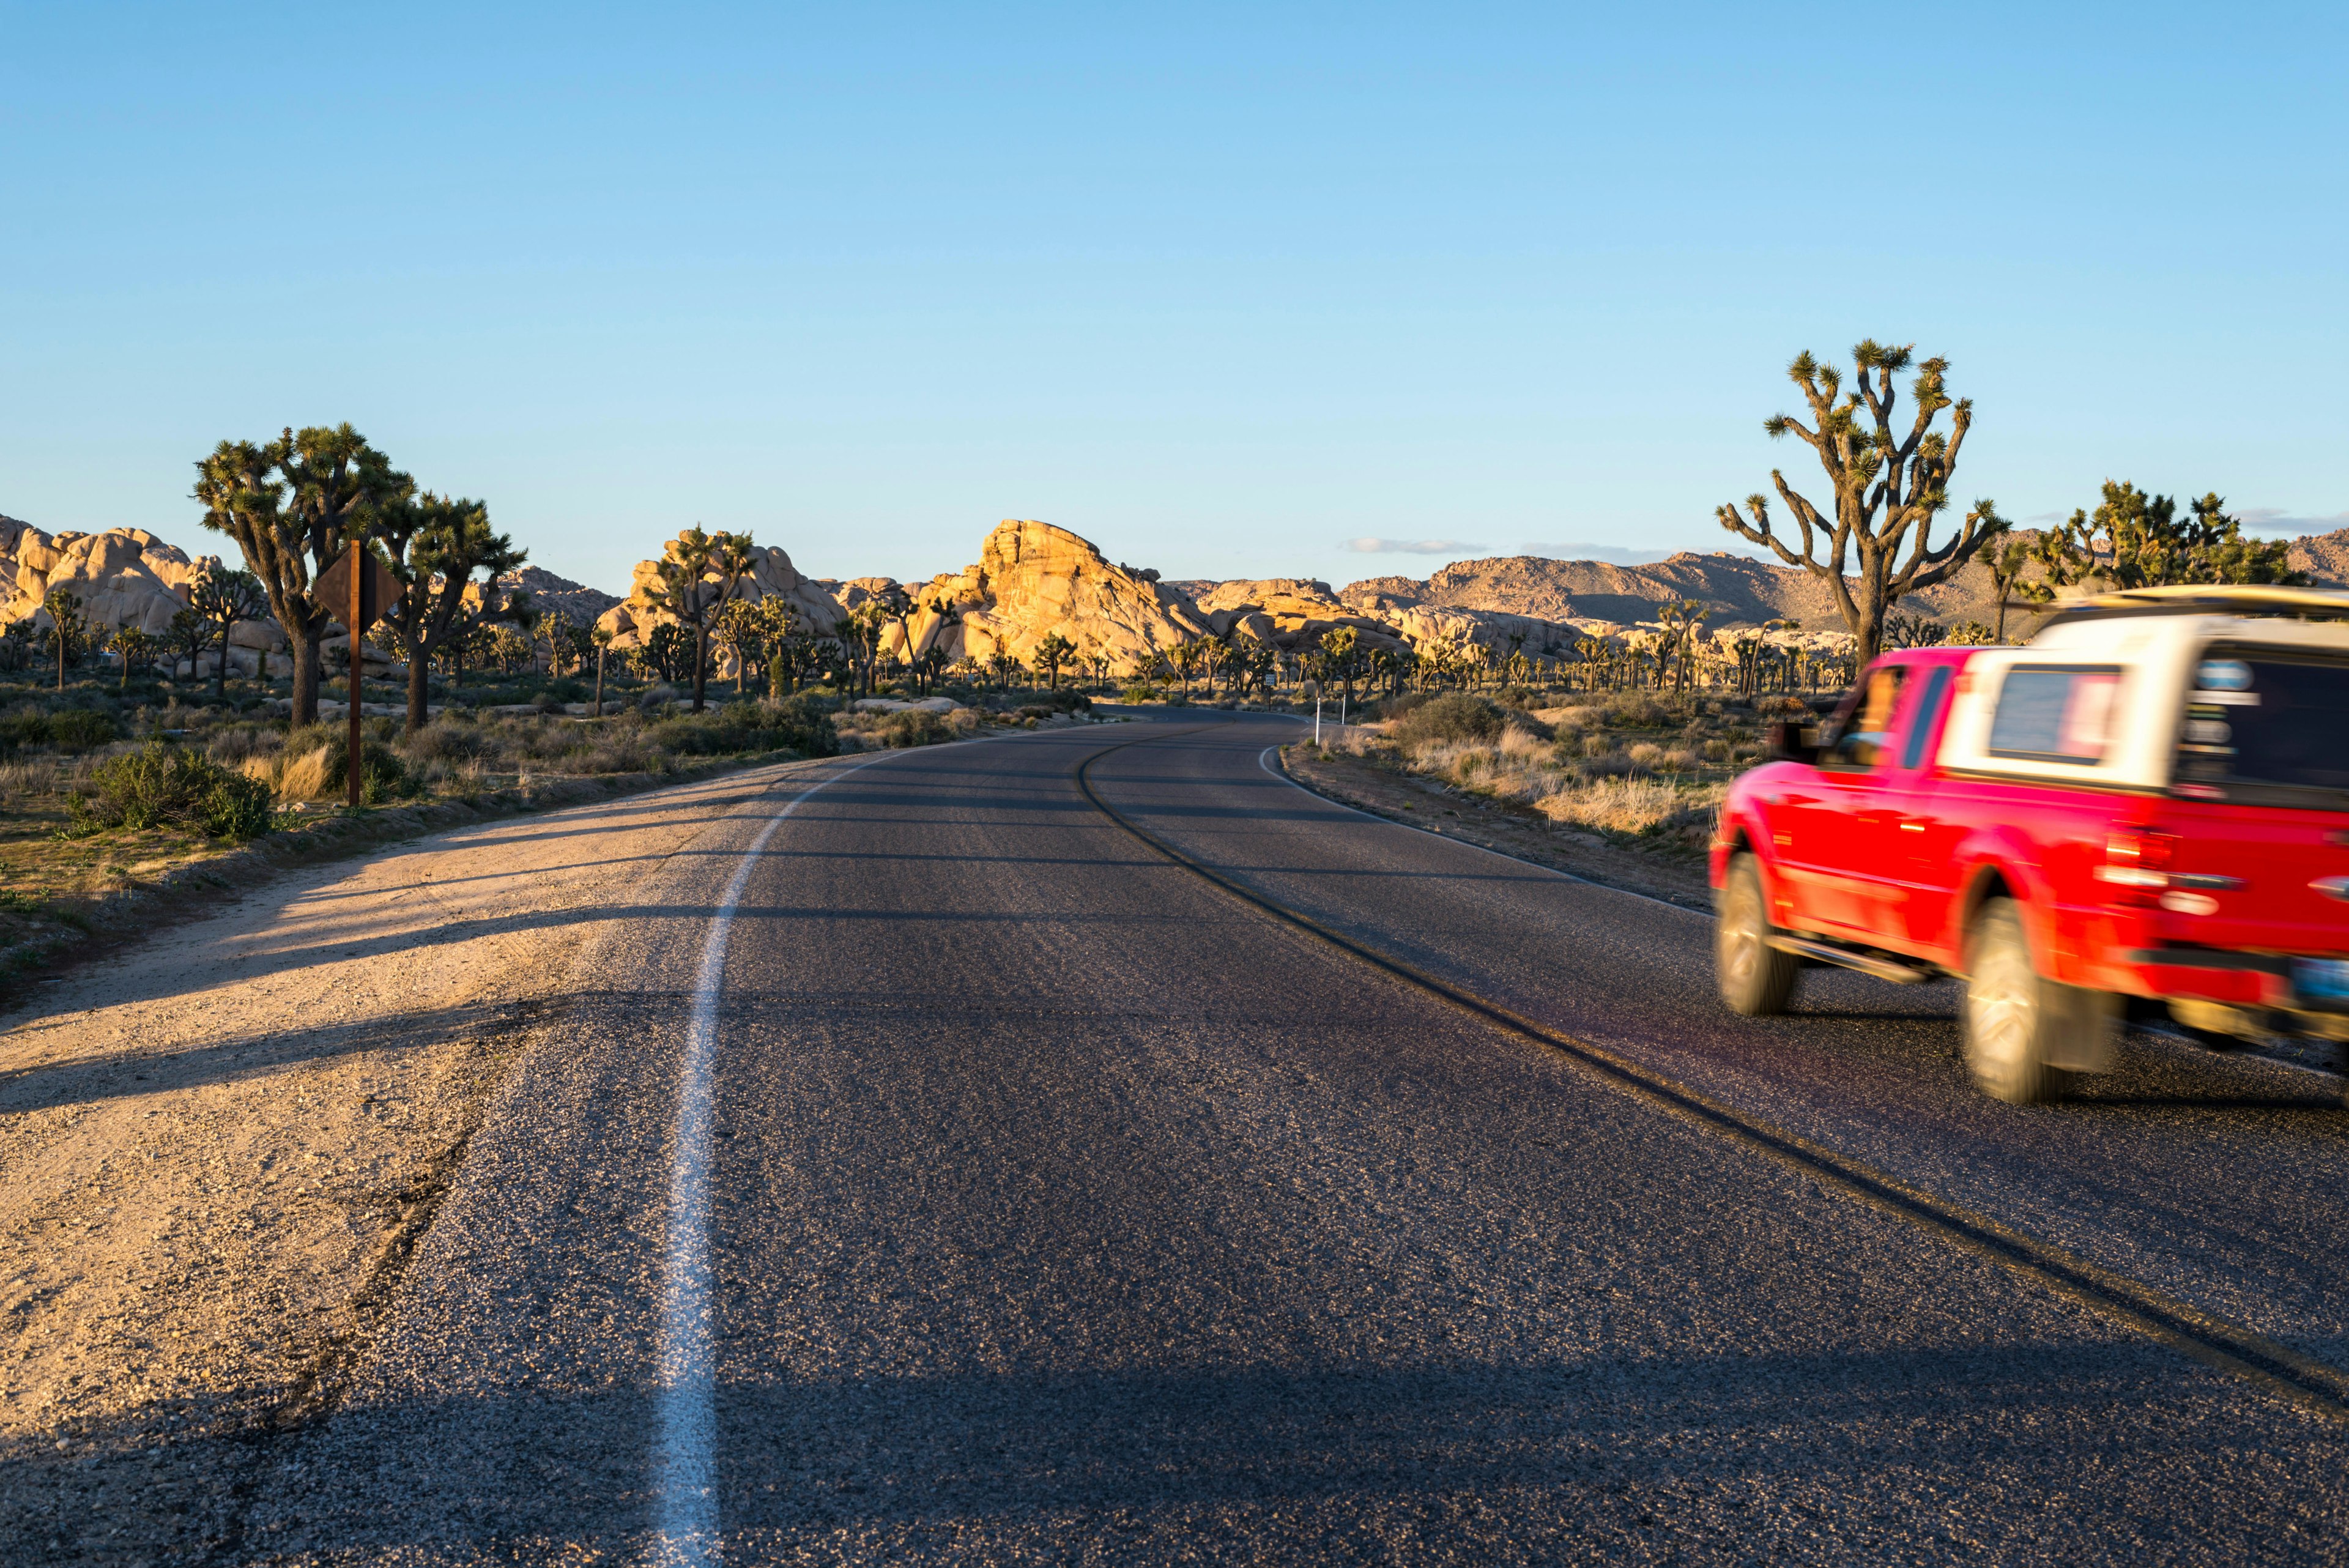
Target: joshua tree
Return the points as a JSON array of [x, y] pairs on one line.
[[437, 546], [68, 625], [2134, 540], [698, 573], [1888, 488], [291, 506], [602, 638], [222, 599], [1338, 647], [188, 636], [735, 629], [130, 644], [1053, 650], [2005, 562]]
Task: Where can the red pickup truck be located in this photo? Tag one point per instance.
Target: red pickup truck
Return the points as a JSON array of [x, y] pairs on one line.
[[2150, 800]]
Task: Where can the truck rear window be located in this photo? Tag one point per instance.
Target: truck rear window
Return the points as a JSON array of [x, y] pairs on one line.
[[2258, 723]]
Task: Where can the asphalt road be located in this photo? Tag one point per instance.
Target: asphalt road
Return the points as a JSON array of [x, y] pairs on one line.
[[1056, 1205]]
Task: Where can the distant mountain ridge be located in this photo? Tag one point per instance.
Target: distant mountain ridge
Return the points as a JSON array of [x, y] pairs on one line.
[[2324, 556], [1738, 589]]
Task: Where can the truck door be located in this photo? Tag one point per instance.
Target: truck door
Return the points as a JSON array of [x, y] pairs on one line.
[[1917, 830], [1837, 829]]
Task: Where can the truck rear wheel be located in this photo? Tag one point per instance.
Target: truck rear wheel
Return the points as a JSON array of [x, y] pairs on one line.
[[1755, 977], [2012, 1014]]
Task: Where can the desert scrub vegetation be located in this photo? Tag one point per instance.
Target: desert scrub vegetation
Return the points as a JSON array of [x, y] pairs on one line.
[[96, 799], [162, 784], [1636, 765]]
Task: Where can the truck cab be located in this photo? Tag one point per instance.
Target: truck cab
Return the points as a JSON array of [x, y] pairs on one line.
[[2150, 800]]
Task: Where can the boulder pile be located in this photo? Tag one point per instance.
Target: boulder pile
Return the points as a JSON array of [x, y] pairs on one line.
[[631, 621], [1033, 580], [124, 576]]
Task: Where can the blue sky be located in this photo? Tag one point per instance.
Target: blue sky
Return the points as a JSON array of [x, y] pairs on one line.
[[1221, 288]]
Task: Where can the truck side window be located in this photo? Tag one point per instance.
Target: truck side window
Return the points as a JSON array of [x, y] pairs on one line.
[[1862, 743], [2055, 713], [1921, 723]]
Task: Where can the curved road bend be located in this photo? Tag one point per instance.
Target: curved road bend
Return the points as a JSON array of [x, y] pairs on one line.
[[1063, 1207]]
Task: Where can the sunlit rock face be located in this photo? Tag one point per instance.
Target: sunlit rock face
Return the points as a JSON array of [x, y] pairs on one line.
[[1033, 580], [772, 574], [123, 576]]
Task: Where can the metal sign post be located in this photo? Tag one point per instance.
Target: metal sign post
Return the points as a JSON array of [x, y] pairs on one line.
[[356, 590]]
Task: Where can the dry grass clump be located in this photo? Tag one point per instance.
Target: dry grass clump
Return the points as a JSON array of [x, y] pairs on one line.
[[1631, 805], [1621, 763]]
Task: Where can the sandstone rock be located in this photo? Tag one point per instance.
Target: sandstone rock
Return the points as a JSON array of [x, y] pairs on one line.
[[632, 620], [560, 595], [1033, 580], [124, 576]]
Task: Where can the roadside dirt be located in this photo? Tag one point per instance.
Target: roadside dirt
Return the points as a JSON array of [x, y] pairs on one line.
[[219, 1143], [1434, 807]]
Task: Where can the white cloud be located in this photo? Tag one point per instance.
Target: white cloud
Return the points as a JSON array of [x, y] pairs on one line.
[[2290, 524], [1370, 546], [1613, 554]]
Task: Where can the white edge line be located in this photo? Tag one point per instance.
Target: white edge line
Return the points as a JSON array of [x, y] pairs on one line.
[[685, 1453], [1262, 762]]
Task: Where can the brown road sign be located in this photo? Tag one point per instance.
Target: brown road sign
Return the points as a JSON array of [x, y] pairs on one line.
[[333, 591]]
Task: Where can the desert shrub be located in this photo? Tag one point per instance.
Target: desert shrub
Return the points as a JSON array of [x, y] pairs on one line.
[[446, 739], [1647, 754], [1388, 708], [320, 769], [163, 783], [1636, 711], [913, 727], [232, 746], [1140, 692], [71, 730], [1453, 716], [800, 723], [80, 730], [1051, 702], [1716, 750]]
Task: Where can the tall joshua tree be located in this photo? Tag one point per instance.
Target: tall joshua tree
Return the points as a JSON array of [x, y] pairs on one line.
[[2005, 561], [1874, 544], [291, 506], [437, 545], [698, 573], [1053, 651], [68, 625]]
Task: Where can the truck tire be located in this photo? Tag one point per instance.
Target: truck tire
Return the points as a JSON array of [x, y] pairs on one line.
[[1755, 977], [2013, 1014]]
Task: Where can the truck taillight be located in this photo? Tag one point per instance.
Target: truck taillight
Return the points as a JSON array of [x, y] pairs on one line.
[[2146, 851], [2135, 858]]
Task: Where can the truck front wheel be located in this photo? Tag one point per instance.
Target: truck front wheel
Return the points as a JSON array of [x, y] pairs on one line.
[[1755, 977], [2012, 1014]]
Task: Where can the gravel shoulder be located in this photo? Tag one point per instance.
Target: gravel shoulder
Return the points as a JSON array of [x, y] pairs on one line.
[[221, 1142]]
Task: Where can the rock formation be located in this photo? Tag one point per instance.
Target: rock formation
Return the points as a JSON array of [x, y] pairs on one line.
[[1033, 580], [124, 576], [1737, 590], [548, 592], [632, 620], [2323, 556]]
